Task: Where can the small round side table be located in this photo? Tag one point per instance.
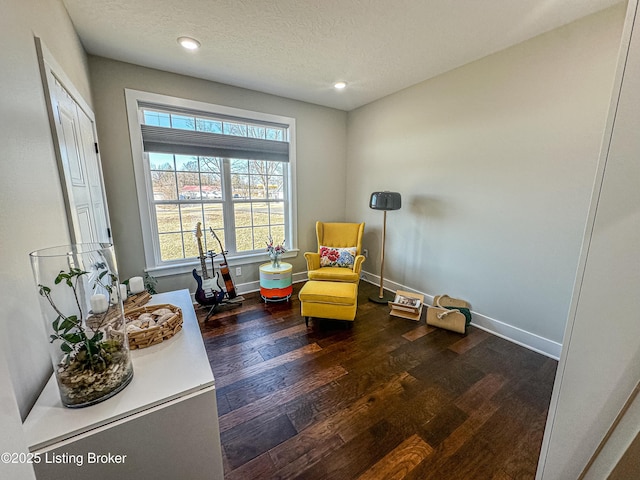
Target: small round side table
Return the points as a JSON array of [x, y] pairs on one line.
[[275, 283]]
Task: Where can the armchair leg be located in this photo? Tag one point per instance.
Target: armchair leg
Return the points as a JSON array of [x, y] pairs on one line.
[[306, 321]]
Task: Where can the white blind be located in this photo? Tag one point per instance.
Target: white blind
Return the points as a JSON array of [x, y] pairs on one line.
[[207, 144]]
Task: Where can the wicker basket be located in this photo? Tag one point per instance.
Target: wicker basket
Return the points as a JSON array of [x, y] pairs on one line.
[[153, 334], [135, 301]]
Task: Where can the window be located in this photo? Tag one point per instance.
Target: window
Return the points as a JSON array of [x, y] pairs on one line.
[[231, 170]]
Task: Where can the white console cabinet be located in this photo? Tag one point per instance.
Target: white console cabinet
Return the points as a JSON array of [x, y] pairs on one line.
[[163, 425]]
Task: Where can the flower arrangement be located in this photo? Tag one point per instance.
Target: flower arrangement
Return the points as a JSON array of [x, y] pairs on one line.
[[275, 251]]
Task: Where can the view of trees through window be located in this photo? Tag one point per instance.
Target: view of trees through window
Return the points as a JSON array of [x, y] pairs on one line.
[[225, 127], [242, 200]]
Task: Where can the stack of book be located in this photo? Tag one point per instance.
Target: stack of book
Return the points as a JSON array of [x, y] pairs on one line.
[[407, 305]]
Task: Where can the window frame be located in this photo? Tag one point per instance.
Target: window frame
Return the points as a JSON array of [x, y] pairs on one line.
[[144, 188]]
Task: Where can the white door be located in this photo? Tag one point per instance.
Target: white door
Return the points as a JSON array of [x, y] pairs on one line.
[[78, 159]]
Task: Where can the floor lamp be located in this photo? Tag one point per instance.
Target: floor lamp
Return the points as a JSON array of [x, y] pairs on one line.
[[384, 201]]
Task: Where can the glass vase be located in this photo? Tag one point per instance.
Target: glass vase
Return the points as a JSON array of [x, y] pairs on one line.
[[79, 294], [275, 260]]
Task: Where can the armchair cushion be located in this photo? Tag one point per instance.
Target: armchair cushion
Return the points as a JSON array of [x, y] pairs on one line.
[[337, 257], [334, 274]]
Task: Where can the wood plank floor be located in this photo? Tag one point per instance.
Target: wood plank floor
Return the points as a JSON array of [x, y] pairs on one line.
[[388, 398]]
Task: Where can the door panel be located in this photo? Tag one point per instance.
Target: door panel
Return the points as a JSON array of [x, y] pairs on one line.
[[85, 222], [94, 177], [69, 143]]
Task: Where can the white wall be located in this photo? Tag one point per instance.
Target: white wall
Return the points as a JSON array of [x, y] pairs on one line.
[[600, 363], [320, 156], [32, 211], [495, 162]]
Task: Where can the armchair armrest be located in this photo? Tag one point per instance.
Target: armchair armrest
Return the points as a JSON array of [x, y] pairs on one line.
[[313, 260], [357, 264]]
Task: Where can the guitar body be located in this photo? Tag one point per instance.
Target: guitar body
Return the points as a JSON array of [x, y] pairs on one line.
[[228, 281], [205, 294], [224, 270]]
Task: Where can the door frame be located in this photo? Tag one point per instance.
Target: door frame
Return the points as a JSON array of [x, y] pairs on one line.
[[574, 350]]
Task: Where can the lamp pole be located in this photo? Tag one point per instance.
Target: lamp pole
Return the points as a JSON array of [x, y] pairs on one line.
[[384, 234], [383, 201]]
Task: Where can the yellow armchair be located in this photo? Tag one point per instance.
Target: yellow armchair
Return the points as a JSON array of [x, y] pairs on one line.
[[336, 235]]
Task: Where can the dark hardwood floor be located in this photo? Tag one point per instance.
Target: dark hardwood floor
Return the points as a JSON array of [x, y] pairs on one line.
[[388, 398]]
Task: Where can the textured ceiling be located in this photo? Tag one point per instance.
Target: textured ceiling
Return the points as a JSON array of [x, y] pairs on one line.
[[299, 48]]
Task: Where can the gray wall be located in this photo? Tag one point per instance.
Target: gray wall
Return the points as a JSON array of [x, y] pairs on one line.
[[32, 211], [495, 162], [320, 156]]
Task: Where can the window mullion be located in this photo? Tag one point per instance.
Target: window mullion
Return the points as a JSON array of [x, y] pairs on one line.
[[228, 208], [285, 209], [151, 206], [201, 205]]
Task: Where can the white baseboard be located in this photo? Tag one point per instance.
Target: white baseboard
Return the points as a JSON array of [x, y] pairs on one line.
[[516, 335]]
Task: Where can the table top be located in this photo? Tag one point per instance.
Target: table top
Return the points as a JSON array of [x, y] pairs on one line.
[[268, 268], [163, 372]]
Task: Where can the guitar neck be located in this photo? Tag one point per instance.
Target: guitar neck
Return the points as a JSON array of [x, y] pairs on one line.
[[224, 257], [203, 265]]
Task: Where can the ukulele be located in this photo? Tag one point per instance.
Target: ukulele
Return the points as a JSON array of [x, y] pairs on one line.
[[206, 294], [224, 269]]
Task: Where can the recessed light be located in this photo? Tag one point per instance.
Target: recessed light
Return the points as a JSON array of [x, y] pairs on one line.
[[339, 85], [189, 43]]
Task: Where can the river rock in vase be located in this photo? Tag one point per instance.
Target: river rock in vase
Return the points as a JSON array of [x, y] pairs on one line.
[[80, 301]]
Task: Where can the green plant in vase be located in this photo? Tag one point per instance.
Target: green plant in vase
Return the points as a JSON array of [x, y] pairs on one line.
[[150, 283], [95, 357], [89, 352]]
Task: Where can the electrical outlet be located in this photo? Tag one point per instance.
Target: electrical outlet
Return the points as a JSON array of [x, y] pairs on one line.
[[238, 271], [365, 252]]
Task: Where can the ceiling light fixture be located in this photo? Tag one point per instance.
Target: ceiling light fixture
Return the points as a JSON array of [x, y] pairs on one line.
[[189, 43], [339, 85]]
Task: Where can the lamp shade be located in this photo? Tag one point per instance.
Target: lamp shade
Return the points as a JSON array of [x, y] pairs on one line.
[[385, 201]]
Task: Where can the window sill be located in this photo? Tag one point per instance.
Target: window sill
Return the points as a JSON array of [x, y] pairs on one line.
[[188, 266]]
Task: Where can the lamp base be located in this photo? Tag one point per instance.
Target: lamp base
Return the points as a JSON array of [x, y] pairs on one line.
[[386, 297]]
